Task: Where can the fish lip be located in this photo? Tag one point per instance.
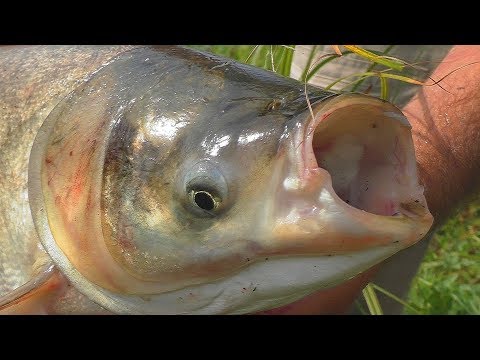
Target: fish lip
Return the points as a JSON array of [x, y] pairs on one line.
[[308, 159]]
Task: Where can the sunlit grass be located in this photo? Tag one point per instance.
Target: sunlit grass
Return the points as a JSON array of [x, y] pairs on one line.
[[277, 58], [448, 281]]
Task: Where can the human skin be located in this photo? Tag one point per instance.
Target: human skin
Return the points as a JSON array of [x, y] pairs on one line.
[[446, 133]]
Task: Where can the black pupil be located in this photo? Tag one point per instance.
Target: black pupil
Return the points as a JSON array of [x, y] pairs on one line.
[[204, 200]]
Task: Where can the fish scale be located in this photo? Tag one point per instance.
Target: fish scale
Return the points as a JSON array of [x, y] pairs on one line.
[[32, 81]]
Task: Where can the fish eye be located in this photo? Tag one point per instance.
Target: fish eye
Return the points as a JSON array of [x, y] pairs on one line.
[[206, 188], [204, 200]]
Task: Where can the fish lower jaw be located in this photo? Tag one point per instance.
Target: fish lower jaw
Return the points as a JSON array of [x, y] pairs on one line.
[[287, 280], [263, 285]]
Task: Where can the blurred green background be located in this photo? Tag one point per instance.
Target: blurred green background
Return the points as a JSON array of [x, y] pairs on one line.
[[448, 281]]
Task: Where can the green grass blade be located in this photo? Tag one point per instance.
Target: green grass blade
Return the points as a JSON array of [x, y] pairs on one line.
[[379, 74], [317, 67], [396, 298], [272, 58], [307, 75], [309, 62], [327, 59], [371, 67], [354, 82], [383, 88], [287, 59], [372, 300], [391, 63], [402, 78], [251, 53], [328, 87]]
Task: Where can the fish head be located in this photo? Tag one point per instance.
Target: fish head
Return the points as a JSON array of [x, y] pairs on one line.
[[175, 181]]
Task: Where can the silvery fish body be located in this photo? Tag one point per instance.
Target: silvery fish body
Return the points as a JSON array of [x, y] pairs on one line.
[[163, 180]]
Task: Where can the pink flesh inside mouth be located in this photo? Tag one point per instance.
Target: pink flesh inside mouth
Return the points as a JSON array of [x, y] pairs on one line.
[[368, 163], [365, 156]]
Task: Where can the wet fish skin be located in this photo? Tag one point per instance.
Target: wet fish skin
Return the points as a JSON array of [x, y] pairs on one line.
[[156, 114], [33, 79]]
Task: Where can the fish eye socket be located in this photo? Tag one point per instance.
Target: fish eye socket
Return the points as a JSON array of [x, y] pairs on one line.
[[204, 200]]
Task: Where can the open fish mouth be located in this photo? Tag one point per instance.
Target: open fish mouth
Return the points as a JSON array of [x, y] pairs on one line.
[[368, 155], [352, 179]]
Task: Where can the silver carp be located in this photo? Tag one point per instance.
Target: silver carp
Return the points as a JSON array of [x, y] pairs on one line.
[[165, 180]]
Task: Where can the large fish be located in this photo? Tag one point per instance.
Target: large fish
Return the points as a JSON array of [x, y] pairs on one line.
[[148, 180]]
